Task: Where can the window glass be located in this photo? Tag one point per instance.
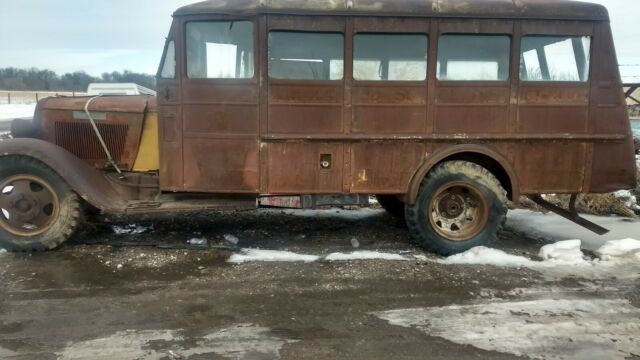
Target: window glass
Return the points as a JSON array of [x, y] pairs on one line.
[[306, 55], [473, 57], [555, 58], [387, 57], [220, 50], [169, 62]]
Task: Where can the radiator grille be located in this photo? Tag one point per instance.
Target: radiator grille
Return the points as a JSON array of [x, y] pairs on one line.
[[82, 141]]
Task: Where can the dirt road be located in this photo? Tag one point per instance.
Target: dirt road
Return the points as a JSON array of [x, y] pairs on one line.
[[101, 298]]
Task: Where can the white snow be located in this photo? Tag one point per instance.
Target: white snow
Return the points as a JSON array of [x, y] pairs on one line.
[[553, 228], [197, 242], [123, 345], [16, 111], [539, 329], [249, 255], [625, 249], [240, 341], [366, 255], [563, 253], [619, 258], [131, 229], [482, 255], [231, 239], [629, 199]]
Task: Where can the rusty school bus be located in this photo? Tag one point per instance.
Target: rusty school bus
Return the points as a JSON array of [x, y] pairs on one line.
[[444, 109]]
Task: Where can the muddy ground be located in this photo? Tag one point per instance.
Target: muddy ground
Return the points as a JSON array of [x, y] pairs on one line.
[[153, 296]]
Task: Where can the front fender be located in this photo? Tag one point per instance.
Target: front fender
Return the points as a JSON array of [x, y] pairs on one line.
[[89, 182]]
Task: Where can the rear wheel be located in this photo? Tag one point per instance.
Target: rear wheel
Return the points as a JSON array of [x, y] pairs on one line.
[[38, 210], [460, 205]]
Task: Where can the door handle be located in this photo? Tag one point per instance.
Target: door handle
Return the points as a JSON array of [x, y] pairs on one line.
[[167, 93]]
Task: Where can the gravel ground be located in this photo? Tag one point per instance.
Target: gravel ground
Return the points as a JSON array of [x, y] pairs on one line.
[[152, 295]]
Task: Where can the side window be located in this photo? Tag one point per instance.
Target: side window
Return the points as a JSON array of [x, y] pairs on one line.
[[555, 58], [390, 57], [306, 55], [169, 62], [220, 50], [473, 57]]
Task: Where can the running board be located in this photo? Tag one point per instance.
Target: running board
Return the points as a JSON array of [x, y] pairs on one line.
[[168, 204], [571, 214]]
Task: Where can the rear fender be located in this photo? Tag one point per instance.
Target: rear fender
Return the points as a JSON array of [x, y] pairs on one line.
[[89, 182]]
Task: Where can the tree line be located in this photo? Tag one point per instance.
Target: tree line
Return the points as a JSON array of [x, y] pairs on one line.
[[46, 80]]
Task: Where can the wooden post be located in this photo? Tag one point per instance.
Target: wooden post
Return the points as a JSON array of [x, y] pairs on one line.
[[37, 97], [9, 97]]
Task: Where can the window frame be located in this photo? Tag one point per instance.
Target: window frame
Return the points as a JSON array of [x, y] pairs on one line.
[[325, 81], [223, 18], [390, 82], [163, 61], [512, 42], [524, 82]]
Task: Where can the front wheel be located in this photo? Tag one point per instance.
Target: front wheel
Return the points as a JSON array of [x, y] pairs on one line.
[[38, 210], [460, 205]]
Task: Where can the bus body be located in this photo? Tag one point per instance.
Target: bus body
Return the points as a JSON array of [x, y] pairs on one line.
[[444, 109]]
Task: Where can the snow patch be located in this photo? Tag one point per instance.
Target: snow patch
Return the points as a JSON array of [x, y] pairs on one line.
[[16, 111], [132, 229], [123, 345], [563, 253], [256, 255], [249, 255], [540, 329], [620, 258], [366, 255], [552, 228], [482, 255], [620, 250], [240, 341]]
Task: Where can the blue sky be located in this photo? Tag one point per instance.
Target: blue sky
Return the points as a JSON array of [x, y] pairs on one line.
[[98, 36]]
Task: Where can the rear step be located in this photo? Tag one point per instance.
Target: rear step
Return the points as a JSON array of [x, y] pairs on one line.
[[571, 214]]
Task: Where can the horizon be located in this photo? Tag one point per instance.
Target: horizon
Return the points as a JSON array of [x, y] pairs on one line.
[[120, 35]]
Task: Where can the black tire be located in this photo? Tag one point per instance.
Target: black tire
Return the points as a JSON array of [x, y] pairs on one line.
[[481, 217], [62, 223], [392, 205]]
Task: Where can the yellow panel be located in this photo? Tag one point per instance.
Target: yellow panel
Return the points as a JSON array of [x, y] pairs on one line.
[[149, 152]]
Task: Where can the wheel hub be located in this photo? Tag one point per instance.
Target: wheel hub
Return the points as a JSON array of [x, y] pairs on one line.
[[458, 211], [452, 206], [28, 205]]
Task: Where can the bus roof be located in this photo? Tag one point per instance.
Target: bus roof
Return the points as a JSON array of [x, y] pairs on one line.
[[521, 9]]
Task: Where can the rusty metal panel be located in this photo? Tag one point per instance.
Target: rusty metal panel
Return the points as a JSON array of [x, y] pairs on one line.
[[464, 107], [609, 170], [550, 167], [539, 9], [553, 119], [613, 164], [470, 119], [220, 119], [296, 168], [384, 168], [221, 91], [221, 165], [382, 107], [466, 26]]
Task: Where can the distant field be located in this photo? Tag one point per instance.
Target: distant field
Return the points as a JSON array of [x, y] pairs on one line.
[[28, 97]]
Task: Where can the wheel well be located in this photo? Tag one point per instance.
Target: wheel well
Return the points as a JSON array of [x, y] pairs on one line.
[[488, 163]]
